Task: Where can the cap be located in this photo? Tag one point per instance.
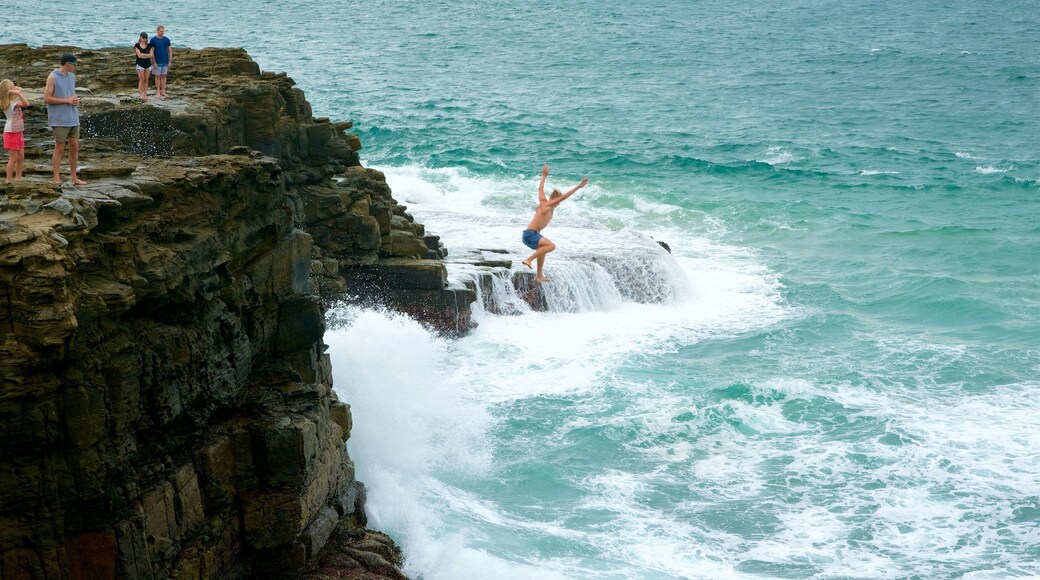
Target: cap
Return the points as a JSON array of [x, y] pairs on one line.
[[144, 35], [68, 57]]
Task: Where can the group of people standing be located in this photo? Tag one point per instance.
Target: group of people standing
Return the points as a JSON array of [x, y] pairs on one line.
[[153, 56]]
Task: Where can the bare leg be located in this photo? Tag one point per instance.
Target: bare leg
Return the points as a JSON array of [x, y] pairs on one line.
[[11, 165], [142, 84], [19, 166], [538, 277], [545, 246], [59, 148], [74, 161]]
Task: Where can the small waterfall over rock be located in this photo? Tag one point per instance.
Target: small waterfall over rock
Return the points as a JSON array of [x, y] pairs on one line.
[[646, 278], [581, 287], [504, 297], [585, 282]]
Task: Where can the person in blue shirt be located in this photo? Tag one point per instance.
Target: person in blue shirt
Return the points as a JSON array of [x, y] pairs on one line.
[[162, 53]]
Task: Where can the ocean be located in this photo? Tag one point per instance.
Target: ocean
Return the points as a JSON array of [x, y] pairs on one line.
[[834, 374]]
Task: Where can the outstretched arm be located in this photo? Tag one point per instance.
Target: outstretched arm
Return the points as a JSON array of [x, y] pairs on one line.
[[541, 184], [584, 182], [570, 192]]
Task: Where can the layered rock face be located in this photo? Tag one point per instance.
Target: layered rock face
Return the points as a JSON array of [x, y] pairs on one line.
[[166, 408]]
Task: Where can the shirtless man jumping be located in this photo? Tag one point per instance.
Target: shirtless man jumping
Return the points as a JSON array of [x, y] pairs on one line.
[[543, 214]]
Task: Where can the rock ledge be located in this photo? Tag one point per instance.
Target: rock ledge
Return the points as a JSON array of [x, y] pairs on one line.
[[166, 407]]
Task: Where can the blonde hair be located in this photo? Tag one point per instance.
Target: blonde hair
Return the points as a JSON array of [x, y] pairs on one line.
[[5, 94], [555, 193]]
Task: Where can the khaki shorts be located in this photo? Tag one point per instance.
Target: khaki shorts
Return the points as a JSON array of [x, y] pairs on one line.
[[63, 134]]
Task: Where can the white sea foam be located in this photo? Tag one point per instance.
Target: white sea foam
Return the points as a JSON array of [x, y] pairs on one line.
[[410, 422], [644, 206], [776, 155], [651, 539], [573, 350], [991, 169], [868, 172], [961, 463], [419, 425], [723, 476], [785, 386], [447, 187], [916, 476], [423, 412], [965, 155], [415, 423]]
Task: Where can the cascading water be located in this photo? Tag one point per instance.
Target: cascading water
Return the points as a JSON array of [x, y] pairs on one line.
[[581, 287], [583, 281]]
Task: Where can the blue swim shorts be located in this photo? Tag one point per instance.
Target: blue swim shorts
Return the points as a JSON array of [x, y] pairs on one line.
[[160, 69], [531, 239]]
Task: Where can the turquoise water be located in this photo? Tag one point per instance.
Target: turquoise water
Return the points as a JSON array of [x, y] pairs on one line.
[[834, 375]]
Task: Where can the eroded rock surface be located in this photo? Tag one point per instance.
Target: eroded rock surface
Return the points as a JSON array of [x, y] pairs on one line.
[[166, 407]]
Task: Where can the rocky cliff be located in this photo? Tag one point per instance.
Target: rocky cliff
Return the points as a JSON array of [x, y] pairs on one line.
[[166, 408]]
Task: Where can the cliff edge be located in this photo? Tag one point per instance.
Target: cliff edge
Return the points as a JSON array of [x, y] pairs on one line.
[[166, 407]]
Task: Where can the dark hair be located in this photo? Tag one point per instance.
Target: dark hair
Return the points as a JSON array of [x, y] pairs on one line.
[[144, 35], [68, 57]]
